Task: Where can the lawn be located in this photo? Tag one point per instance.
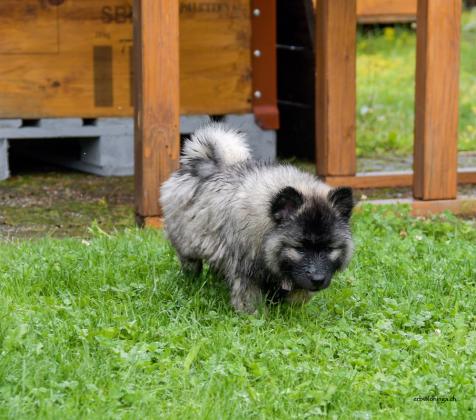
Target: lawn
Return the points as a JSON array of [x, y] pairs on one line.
[[108, 327], [386, 83], [102, 323]]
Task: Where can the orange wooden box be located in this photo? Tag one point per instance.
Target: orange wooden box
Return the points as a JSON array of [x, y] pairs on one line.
[[72, 58]]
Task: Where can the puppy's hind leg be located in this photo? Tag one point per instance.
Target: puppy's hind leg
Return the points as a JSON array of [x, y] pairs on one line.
[[245, 296], [190, 266]]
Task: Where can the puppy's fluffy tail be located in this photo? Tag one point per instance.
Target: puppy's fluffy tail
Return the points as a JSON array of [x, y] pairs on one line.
[[213, 147]]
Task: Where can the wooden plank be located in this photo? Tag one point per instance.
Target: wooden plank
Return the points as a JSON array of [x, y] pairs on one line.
[[373, 180], [461, 206], [38, 32], [335, 87], [467, 176], [215, 56], [436, 115], [391, 179], [263, 47], [157, 137], [382, 11], [47, 58], [421, 208]]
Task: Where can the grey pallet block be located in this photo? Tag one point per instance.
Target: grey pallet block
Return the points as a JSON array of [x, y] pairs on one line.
[[4, 170], [190, 123], [107, 144], [10, 123], [262, 142], [48, 128]]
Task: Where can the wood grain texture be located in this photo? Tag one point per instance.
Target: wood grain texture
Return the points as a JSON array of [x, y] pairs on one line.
[[47, 66], [380, 11], [263, 47], [335, 87], [423, 208], [461, 206], [436, 103], [373, 180], [157, 137], [391, 179]]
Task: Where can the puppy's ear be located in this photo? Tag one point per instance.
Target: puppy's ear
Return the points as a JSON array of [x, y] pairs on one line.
[[342, 200], [285, 203]]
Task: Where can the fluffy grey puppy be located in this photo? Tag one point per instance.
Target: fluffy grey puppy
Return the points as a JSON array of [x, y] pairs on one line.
[[269, 229]]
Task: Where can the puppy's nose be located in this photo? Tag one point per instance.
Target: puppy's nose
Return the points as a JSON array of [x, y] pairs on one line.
[[318, 280]]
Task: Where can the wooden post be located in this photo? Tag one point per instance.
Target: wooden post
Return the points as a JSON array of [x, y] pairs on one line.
[[436, 113], [336, 22], [156, 113]]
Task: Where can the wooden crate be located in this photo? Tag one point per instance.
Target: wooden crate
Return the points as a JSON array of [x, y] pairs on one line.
[[72, 58]]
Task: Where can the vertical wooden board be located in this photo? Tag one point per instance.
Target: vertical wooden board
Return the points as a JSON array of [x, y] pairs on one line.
[[436, 103], [336, 87], [263, 46], [156, 115]]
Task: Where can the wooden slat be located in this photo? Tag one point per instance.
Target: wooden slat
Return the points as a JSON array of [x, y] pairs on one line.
[[156, 59], [391, 179], [467, 176], [263, 47], [380, 11], [383, 11], [335, 87], [436, 116], [373, 180], [460, 206]]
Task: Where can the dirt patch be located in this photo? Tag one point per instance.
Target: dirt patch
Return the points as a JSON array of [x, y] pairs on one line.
[[66, 204]]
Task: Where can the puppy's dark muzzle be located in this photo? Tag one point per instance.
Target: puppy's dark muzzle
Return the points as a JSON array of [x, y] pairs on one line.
[[320, 282]]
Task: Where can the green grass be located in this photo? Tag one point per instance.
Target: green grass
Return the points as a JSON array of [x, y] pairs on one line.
[[110, 328], [385, 89]]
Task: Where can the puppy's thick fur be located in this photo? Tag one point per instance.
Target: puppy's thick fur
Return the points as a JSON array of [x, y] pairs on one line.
[[269, 229]]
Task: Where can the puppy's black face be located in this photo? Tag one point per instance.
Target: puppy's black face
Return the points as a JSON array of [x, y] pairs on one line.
[[312, 240]]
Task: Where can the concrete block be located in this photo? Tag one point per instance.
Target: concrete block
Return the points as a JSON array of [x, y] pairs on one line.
[[4, 169], [190, 123], [262, 142], [10, 123]]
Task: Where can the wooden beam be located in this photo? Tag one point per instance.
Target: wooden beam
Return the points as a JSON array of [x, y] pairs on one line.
[[382, 11], [336, 22], [436, 115], [264, 74], [156, 114], [459, 206], [391, 179], [373, 180], [467, 176]]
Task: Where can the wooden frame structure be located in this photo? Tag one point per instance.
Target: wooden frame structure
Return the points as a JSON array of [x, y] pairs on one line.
[[435, 174], [435, 177]]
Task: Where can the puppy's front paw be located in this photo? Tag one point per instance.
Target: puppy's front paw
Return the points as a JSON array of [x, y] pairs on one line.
[[245, 297]]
